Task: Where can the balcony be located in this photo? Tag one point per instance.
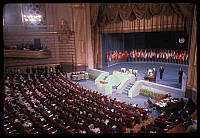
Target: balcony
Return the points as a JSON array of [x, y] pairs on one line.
[[39, 54]]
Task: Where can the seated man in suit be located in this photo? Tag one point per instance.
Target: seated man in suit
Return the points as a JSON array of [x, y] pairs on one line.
[[150, 103]]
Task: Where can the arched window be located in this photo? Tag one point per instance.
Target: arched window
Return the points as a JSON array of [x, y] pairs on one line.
[[33, 14]]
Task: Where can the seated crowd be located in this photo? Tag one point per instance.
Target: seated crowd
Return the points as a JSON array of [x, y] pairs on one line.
[[48, 103], [171, 115]]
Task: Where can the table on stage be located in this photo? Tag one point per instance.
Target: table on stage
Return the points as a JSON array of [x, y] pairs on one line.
[[80, 76]]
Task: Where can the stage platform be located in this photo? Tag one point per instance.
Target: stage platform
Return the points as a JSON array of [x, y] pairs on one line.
[[170, 78], [170, 75]]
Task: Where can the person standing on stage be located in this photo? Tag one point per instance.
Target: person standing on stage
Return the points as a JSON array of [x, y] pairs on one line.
[[150, 102], [161, 70], [180, 73]]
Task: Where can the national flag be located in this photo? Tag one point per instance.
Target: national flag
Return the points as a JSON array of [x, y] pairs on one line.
[[151, 56], [164, 54], [177, 54], [130, 54], [154, 54], [120, 54], [108, 57], [137, 54], [174, 54], [123, 54], [158, 54], [127, 55], [171, 54], [187, 56], [133, 53], [113, 56], [146, 54], [183, 56], [180, 57], [117, 55]]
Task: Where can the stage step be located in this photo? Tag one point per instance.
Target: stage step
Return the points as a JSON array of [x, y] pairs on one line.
[[127, 88], [105, 77]]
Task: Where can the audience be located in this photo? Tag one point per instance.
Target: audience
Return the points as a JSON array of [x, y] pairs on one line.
[[51, 104]]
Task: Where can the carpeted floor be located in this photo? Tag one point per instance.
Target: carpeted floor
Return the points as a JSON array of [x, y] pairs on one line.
[[170, 75], [170, 78]]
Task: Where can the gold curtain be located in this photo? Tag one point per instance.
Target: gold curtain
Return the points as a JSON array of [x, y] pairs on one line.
[[141, 10], [109, 13], [94, 10], [192, 71], [97, 47]]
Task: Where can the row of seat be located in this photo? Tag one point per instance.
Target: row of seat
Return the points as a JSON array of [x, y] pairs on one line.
[[70, 100]]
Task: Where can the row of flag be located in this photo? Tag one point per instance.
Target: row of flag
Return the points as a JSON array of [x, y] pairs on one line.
[[181, 55]]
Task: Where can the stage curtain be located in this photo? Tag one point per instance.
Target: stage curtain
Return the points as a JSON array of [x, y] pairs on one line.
[[97, 47], [80, 37], [142, 17], [94, 46], [192, 71], [104, 14], [125, 11], [94, 10], [137, 17]]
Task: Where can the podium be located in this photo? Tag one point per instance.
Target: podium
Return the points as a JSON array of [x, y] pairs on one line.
[[151, 76]]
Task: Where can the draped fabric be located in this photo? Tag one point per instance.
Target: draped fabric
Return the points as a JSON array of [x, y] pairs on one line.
[[192, 71], [80, 38], [103, 14], [141, 10], [94, 9], [138, 17]]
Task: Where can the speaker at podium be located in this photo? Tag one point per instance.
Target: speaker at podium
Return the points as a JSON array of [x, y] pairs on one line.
[[123, 70]]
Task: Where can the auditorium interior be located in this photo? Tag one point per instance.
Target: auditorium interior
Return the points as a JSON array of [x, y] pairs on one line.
[[99, 68]]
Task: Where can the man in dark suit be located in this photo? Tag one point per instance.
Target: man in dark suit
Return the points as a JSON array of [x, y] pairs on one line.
[[161, 70], [150, 103], [27, 70], [180, 73], [46, 70], [33, 70]]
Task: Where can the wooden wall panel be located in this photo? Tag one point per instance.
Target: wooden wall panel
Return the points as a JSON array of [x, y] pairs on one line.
[[59, 51]]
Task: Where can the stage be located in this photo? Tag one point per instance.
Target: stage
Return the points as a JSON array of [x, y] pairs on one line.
[[170, 75], [170, 78]]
